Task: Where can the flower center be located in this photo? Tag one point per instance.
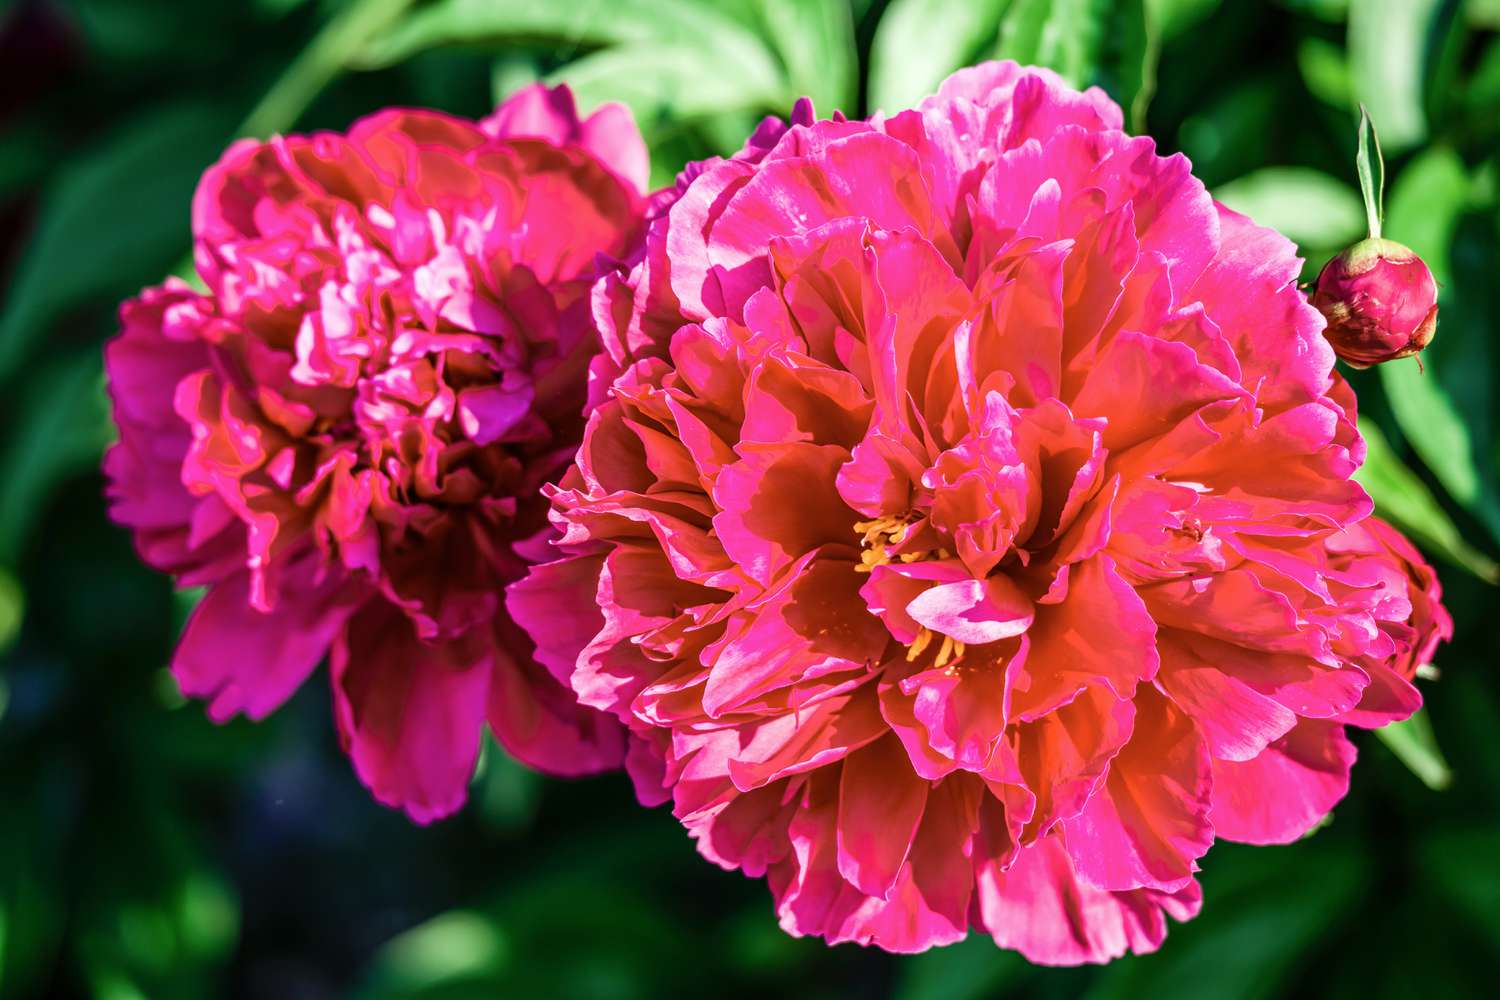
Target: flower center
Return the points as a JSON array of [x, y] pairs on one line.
[[877, 537]]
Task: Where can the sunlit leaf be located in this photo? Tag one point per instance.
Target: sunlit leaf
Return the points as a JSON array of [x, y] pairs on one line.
[[680, 79], [1388, 42], [815, 41], [1325, 70], [1310, 207], [1402, 498], [1415, 744], [1439, 434], [1369, 166], [451, 947], [12, 610], [1104, 42], [1427, 199], [919, 42], [320, 61], [1174, 17]]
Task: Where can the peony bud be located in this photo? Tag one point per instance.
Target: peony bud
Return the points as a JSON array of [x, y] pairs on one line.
[[1380, 302]]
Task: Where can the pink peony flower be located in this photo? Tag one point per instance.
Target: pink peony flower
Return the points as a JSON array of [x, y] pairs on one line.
[[1380, 301], [966, 537], [345, 439]]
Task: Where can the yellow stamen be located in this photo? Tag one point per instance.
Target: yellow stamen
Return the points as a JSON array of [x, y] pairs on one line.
[[921, 642], [944, 653]]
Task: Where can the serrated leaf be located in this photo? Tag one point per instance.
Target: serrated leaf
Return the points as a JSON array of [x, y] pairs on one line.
[[919, 42], [1403, 499], [1415, 745], [1310, 207]]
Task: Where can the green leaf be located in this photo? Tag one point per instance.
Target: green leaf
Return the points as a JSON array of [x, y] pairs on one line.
[[1111, 44], [1428, 198], [1464, 866], [1325, 70], [1370, 166], [495, 23], [1265, 909], [1388, 44], [62, 429], [1438, 434], [815, 41], [1310, 207], [325, 57], [115, 218], [919, 42], [660, 81], [668, 60], [1174, 17], [1414, 743], [1404, 500], [973, 969], [12, 612], [449, 948]]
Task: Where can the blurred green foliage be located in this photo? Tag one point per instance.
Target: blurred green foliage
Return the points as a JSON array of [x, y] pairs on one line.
[[147, 853]]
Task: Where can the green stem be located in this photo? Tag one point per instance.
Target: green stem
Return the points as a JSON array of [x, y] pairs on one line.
[[324, 58]]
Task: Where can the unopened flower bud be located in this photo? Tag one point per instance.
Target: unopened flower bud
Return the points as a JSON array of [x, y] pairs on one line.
[[1380, 302]]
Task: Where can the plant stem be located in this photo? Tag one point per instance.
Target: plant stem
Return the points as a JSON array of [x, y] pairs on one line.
[[323, 59]]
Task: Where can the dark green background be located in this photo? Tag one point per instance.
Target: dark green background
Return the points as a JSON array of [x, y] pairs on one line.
[[147, 853]]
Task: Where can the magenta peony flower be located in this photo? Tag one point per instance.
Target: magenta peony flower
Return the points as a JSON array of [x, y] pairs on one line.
[[967, 536], [345, 439], [1380, 302]]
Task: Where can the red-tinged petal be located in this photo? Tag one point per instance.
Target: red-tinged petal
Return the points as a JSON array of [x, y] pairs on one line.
[[974, 611], [1149, 823], [241, 660], [1065, 754], [409, 712], [1144, 387], [1242, 699], [540, 722], [1285, 791], [1041, 908], [554, 603], [778, 503], [880, 807], [749, 833], [1388, 698], [792, 744], [785, 638], [1100, 631]]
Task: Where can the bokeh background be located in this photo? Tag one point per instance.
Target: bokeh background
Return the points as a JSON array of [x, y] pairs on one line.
[[146, 853]]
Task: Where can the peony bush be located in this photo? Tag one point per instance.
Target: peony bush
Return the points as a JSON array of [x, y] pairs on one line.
[[949, 514]]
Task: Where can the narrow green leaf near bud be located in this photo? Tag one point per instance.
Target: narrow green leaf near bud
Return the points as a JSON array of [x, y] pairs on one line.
[[1370, 166]]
